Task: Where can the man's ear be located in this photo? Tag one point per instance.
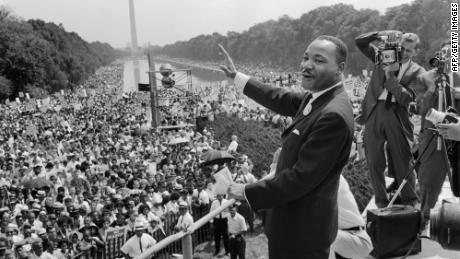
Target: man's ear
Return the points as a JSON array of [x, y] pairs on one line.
[[341, 68]]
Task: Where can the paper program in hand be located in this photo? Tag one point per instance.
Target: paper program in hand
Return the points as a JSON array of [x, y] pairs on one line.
[[223, 181]]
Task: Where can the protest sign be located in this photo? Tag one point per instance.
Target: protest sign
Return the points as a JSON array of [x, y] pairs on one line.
[[21, 94], [114, 240], [223, 181], [27, 96]]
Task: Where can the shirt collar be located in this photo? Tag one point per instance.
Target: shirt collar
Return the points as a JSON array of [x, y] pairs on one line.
[[315, 95]]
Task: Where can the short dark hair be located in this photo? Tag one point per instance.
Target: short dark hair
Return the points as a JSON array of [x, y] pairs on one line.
[[341, 47]]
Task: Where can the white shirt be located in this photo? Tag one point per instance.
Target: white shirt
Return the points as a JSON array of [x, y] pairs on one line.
[[132, 247], [236, 224], [402, 70], [184, 222], [215, 205], [203, 197], [233, 146], [316, 95], [349, 215]]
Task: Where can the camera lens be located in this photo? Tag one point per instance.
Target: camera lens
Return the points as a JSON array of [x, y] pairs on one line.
[[445, 226], [434, 62]]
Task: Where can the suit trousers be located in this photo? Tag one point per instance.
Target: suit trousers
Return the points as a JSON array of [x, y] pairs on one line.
[[275, 251], [221, 232], [383, 126], [246, 211], [431, 173], [237, 247]]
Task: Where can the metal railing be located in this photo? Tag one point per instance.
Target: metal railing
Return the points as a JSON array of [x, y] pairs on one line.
[[185, 236]]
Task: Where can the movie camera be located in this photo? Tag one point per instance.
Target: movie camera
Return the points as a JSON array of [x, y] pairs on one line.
[[389, 51], [440, 60]]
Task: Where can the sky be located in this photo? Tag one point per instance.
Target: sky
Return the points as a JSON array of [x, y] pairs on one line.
[[161, 22]]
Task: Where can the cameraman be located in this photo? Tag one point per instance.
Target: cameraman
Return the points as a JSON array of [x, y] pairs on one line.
[[433, 166], [385, 112]]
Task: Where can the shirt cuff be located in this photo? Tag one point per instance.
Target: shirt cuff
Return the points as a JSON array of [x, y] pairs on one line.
[[240, 80]]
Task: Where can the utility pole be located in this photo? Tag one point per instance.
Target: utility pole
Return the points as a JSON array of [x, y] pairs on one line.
[[153, 91]]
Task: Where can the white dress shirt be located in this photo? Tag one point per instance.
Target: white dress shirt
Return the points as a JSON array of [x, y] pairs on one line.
[[133, 248], [236, 224], [349, 215], [316, 95], [233, 146], [185, 221], [215, 205]]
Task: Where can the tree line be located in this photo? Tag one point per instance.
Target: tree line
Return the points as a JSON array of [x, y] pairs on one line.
[[42, 57], [281, 43]]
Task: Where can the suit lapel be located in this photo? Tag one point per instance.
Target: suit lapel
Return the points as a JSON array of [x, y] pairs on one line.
[[317, 103]]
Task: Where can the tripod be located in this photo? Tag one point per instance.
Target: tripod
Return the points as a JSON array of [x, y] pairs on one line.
[[444, 102]]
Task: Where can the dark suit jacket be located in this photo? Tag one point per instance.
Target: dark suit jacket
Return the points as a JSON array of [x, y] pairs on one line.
[[302, 197], [402, 91]]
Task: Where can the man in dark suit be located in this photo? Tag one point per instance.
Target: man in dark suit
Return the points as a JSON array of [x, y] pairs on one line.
[[385, 114], [433, 164], [302, 197]]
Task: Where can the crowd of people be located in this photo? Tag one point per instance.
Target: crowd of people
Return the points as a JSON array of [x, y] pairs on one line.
[[76, 164], [84, 162]]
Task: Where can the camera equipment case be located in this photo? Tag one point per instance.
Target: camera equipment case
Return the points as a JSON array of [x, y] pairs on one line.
[[394, 231]]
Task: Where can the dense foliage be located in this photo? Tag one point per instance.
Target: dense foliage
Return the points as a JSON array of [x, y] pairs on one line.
[[255, 139], [37, 54], [282, 42]]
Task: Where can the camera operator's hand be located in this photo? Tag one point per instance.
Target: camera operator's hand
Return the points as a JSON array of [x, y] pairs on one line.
[[390, 69], [228, 68], [450, 131]]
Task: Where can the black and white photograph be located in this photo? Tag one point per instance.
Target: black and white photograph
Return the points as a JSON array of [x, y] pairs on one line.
[[231, 129]]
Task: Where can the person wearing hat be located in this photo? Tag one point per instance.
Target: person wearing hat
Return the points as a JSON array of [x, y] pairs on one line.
[[185, 220], [138, 243]]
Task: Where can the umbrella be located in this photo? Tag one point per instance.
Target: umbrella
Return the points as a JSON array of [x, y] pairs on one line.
[[178, 141], [212, 156], [37, 183]]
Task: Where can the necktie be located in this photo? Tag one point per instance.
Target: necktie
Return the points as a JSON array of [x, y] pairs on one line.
[[140, 243], [306, 105], [220, 204], [389, 95]]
